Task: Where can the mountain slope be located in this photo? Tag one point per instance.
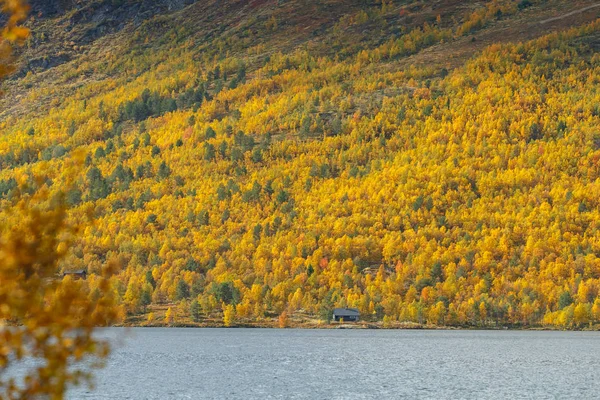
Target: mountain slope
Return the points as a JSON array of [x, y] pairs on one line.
[[415, 160]]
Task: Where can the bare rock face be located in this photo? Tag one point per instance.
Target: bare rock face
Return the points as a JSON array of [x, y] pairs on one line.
[[108, 16], [83, 22], [48, 8]]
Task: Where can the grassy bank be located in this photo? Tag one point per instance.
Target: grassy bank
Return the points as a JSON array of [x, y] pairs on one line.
[[156, 317]]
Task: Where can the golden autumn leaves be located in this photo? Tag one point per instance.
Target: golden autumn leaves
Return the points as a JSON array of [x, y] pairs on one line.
[[42, 315], [17, 11], [409, 184], [12, 33], [438, 180]]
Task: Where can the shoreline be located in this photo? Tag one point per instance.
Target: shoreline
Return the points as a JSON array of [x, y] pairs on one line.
[[358, 325], [155, 316]]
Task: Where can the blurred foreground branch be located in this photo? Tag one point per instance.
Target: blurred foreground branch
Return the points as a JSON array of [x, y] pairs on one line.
[[43, 316]]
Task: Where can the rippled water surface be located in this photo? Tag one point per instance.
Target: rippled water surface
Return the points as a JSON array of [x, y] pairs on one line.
[[347, 364]]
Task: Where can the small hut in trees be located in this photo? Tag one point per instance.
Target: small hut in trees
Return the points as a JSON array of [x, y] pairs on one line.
[[346, 314], [77, 274]]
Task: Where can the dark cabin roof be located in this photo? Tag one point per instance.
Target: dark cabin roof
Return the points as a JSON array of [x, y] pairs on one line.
[[346, 312], [77, 272]]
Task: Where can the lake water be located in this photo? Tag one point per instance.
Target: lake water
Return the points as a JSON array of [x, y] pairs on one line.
[[347, 364]]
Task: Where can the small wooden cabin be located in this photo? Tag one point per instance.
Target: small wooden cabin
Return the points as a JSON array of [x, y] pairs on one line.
[[78, 274], [346, 314]]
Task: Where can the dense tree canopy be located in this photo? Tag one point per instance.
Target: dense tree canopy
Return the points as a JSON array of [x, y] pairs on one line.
[[239, 183]]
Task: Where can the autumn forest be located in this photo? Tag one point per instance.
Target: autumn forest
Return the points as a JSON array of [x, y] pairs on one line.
[[260, 163]]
